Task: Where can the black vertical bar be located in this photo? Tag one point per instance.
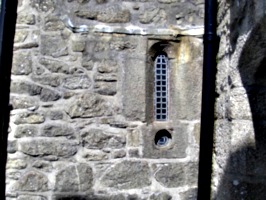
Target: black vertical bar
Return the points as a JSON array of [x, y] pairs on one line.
[[7, 31], [208, 100]]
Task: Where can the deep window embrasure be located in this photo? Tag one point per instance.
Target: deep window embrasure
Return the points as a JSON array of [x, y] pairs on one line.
[[161, 87]]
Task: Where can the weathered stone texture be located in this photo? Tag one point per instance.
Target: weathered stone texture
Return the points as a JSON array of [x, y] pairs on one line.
[[55, 130], [30, 118], [31, 197], [77, 82], [44, 147], [99, 139], [127, 175], [176, 175], [55, 65], [53, 45], [33, 181], [82, 125], [88, 105], [74, 178], [43, 5], [22, 64]]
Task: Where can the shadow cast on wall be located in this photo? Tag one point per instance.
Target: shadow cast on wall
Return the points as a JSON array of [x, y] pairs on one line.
[[245, 173]]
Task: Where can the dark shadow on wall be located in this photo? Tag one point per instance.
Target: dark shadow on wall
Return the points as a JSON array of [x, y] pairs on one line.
[[245, 173]]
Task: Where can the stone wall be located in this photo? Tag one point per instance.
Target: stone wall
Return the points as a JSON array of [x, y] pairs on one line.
[[82, 124], [239, 155]]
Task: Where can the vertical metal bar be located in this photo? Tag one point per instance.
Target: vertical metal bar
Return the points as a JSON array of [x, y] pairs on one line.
[[208, 100], [7, 31]]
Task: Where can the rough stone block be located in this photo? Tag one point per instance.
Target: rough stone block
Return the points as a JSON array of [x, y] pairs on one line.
[[99, 139], [88, 105], [53, 45], [55, 66], [22, 64], [74, 178], [12, 146], [173, 175], [32, 181], [26, 131], [29, 118], [53, 23], [88, 197], [26, 19], [191, 194], [25, 87], [77, 82], [21, 36], [160, 196], [105, 88], [127, 175], [16, 164], [44, 147], [44, 6], [57, 129], [49, 95], [153, 15], [239, 107], [176, 148], [78, 44], [20, 102], [31, 197]]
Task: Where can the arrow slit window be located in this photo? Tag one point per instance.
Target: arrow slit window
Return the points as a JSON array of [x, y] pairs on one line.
[[161, 87]]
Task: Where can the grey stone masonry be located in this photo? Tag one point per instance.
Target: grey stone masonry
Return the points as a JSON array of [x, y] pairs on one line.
[[82, 92]]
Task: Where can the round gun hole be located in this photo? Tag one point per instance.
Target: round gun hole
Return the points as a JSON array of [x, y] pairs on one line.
[[162, 138]]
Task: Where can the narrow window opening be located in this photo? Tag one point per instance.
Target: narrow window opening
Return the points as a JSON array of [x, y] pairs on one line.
[[161, 87]]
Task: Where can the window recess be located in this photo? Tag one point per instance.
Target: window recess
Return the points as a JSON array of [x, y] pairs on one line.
[[161, 87]]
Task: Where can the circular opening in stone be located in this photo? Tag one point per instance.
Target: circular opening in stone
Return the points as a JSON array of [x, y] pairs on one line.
[[162, 138]]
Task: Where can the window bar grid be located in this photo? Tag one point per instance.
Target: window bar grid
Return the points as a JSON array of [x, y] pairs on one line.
[[161, 88]]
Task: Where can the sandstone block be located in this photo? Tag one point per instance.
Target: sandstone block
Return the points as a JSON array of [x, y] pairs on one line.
[[127, 175]]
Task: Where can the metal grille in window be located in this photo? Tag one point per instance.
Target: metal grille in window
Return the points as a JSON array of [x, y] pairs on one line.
[[161, 88]]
